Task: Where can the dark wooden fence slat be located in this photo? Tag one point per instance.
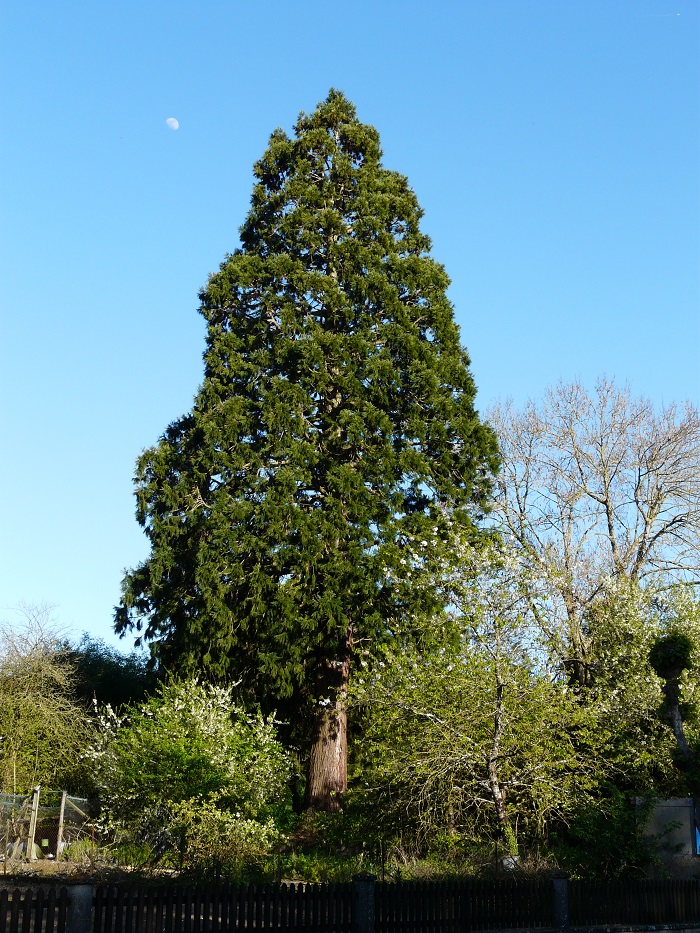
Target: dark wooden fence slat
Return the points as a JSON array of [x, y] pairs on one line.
[[14, 912], [160, 908], [316, 909], [312, 908], [120, 911], [4, 909], [150, 898], [137, 911], [239, 909], [197, 898], [217, 908], [325, 909], [191, 923], [50, 910], [220, 908], [38, 911], [111, 921], [286, 907], [173, 909], [62, 910], [187, 911], [205, 910], [289, 912], [26, 911], [146, 917], [275, 907], [404, 906], [101, 916]]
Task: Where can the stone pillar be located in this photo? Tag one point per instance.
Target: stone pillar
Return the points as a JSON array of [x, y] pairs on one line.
[[560, 894], [363, 903], [79, 913]]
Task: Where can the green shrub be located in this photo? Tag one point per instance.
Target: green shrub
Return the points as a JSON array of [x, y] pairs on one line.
[[192, 778]]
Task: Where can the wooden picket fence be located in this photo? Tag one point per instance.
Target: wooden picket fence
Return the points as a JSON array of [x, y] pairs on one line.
[[469, 906], [28, 911], [314, 908], [451, 907], [640, 903]]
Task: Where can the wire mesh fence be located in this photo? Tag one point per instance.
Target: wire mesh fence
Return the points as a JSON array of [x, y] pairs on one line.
[[42, 824]]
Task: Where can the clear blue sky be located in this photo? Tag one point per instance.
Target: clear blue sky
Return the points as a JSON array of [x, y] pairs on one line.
[[554, 146]]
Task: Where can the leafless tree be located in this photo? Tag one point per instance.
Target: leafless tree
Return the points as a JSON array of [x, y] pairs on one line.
[[597, 487]]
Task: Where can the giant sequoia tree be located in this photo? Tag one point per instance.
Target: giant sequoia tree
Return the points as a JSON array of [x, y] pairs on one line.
[[336, 418]]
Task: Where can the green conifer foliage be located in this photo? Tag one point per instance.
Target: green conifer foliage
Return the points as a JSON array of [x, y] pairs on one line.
[[336, 416]]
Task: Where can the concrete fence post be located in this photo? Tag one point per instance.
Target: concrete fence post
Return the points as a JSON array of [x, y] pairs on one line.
[[32, 824], [363, 903], [79, 912], [560, 894]]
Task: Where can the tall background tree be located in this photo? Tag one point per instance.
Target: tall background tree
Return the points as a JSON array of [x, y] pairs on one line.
[[106, 676], [336, 419]]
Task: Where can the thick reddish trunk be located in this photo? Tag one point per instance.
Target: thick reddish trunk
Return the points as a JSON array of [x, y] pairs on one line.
[[328, 765]]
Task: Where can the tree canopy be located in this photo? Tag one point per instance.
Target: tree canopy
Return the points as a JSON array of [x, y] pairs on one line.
[[598, 488], [336, 418], [43, 723], [473, 734]]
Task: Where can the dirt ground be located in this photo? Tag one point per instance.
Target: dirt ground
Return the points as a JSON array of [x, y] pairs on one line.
[[48, 871]]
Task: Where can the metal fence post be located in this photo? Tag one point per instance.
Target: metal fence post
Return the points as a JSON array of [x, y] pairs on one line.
[[79, 912], [363, 903], [560, 894]]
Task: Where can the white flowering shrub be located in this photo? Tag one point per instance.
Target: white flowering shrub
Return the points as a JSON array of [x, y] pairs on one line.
[[216, 835], [187, 766]]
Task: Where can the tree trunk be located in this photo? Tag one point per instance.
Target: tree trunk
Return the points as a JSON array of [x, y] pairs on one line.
[[576, 664], [328, 766], [499, 801], [497, 792], [671, 690]]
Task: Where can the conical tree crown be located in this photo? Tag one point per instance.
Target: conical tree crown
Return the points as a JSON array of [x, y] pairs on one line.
[[335, 423]]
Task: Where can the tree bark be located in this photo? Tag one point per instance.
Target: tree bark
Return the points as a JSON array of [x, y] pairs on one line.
[[328, 765], [671, 690], [497, 792]]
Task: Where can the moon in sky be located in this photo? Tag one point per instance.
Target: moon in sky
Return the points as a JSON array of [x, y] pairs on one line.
[[172, 123]]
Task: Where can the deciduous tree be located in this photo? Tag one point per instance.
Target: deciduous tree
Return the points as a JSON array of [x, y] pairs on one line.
[[598, 487], [43, 724], [475, 732]]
